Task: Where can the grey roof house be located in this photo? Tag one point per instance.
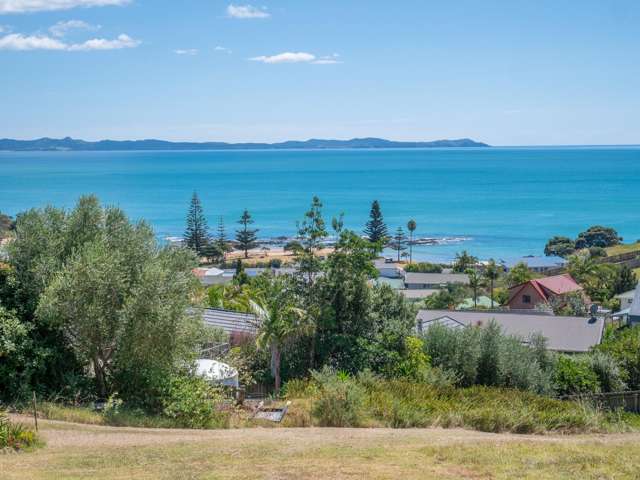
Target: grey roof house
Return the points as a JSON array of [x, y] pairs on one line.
[[431, 281], [230, 322], [563, 334]]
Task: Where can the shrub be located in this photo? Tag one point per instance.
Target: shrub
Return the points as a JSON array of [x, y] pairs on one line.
[[423, 267], [340, 401], [609, 373], [623, 344], [192, 402], [414, 364], [15, 436], [573, 375]]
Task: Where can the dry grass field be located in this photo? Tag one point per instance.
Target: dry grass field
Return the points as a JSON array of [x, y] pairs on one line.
[[75, 451]]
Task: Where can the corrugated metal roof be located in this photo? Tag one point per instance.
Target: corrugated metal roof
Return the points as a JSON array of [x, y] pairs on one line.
[[230, 321], [564, 334], [435, 278]]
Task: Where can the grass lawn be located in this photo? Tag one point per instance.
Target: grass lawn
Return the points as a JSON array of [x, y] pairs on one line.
[[76, 451], [623, 248]]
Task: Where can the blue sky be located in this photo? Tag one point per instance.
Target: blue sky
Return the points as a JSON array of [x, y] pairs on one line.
[[505, 72]]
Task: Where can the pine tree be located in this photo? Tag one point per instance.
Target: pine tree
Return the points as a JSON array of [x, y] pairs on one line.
[[399, 243], [196, 235], [376, 229], [221, 237], [246, 237]]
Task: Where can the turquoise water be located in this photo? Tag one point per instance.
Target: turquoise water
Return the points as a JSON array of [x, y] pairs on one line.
[[507, 201]]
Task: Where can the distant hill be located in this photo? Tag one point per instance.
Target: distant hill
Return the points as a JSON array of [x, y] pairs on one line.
[[71, 144]]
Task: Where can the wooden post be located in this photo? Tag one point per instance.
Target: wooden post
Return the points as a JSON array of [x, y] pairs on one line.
[[35, 410]]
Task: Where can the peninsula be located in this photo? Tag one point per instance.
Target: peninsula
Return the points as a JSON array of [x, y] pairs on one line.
[[71, 144]]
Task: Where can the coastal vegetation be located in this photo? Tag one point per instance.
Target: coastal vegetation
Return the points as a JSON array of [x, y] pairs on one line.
[[94, 311]]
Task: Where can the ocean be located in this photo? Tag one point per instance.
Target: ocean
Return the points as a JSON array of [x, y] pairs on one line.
[[494, 202]]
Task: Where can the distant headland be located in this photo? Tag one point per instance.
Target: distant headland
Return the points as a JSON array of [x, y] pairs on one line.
[[72, 144]]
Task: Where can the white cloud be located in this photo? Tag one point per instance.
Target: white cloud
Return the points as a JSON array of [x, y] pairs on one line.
[[60, 29], [17, 41], [186, 51], [123, 41], [24, 6], [286, 57], [5, 28], [222, 49], [246, 11], [297, 57]]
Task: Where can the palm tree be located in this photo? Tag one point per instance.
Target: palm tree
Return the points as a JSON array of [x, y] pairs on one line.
[[280, 321], [411, 226], [491, 273], [474, 283]]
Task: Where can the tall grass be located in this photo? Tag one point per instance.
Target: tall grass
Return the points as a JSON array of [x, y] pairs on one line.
[[14, 436], [406, 404]]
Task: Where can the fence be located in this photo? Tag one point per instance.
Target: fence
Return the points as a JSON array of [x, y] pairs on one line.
[[628, 401]]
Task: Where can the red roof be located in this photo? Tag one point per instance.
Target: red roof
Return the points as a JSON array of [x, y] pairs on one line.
[[557, 285]]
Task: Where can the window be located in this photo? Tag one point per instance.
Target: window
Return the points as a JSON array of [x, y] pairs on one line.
[[526, 299]]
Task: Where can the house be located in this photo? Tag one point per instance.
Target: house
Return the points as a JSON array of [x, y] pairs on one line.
[[481, 302], [415, 295], [630, 314], [433, 281], [213, 276], [541, 291], [626, 299], [563, 334], [237, 325], [388, 269], [536, 264]]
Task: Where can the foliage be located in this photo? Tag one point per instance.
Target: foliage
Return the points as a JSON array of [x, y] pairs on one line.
[[572, 304], [411, 226], [340, 401], [279, 318], [485, 356], [414, 364], [560, 247], [464, 261], [7, 224], [610, 375], [192, 402], [574, 375], [14, 436], [365, 400], [119, 299], [399, 242], [598, 236], [212, 252], [246, 237], [626, 280], [196, 235], [446, 298], [423, 267], [623, 345], [491, 274], [520, 273], [375, 229]]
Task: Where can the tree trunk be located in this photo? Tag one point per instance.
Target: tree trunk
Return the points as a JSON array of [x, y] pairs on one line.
[[492, 294], [99, 373], [275, 353]]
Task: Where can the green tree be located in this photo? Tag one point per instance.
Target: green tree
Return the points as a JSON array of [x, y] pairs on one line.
[[623, 345], [240, 277], [491, 274], [120, 299], [560, 247], [475, 281], [221, 237], [598, 236], [582, 267], [464, 261], [411, 226], [280, 320], [7, 224], [212, 252], [399, 242], [520, 273], [626, 280], [376, 229], [196, 235], [246, 237]]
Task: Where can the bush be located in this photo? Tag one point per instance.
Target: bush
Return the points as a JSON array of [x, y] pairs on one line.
[[340, 401], [192, 402], [574, 376], [485, 356], [423, 267], [623, 345], [610, 375], [15, 436]]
